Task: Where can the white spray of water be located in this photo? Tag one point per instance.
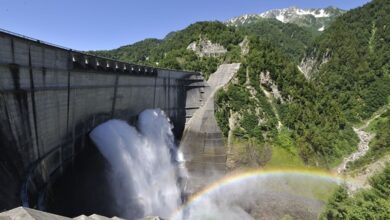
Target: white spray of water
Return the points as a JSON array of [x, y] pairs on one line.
[[260, 197], [146, 165]]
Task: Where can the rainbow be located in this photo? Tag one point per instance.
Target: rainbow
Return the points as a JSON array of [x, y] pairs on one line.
[[246, 175]]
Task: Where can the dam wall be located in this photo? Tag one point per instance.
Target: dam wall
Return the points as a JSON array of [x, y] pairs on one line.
[[51, 97]]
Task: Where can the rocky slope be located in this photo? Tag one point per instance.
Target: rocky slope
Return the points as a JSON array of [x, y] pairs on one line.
[[315, 115], [316, 19], [307, 112], [201, 47], [204, 47]]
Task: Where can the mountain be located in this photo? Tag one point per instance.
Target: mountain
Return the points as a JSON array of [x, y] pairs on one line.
[[270, 106], [307, 77], [350, 60], [305, 113], [202, 46], [181, 49], [347, 81], [274, 112], [185, 49], [315, 19], [292, 39], [139, 52]]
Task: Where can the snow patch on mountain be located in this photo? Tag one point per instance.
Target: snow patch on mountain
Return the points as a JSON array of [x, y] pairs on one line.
[[286, 15], [245, 19], [281, 18], [316, 18], [321, 13]]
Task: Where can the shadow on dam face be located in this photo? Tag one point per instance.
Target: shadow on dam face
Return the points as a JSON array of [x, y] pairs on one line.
[[85, 185], [83, 189]]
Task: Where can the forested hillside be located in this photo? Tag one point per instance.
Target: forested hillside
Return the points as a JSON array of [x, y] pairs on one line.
[[290, 38], [371, 203], [355, 52], [143, 52], [292, 116], [350, 83], [270, 103], [172, 52], [268, 88]]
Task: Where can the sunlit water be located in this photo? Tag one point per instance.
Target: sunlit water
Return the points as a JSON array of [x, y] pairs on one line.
[[147, 169], [144, 161], [261, 195]]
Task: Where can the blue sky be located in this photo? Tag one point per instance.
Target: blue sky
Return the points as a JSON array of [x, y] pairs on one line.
[[99, 24]]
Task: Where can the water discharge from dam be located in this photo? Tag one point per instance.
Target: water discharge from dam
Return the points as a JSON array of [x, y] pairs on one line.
[[147, 176], [145, 164]]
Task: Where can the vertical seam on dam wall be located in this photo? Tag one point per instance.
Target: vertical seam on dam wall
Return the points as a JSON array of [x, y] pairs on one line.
[[4, 98], [45, 89], [68, 104], [21, 96], [115, 94], [169, 85], [33, 100], [13, 51], [154, 93]]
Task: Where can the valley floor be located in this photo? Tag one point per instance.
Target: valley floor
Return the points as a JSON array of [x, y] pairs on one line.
[[359, 179]]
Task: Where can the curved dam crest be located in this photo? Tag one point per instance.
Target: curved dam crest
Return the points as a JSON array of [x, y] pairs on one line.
[[51, 98]]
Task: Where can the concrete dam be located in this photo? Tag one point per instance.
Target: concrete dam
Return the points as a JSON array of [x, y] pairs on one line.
[[51, 98]]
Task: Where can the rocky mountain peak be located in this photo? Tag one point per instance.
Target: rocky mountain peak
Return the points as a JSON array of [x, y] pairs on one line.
[[313, 18]]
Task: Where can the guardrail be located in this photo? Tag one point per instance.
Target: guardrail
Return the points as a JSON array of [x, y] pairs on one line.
[[92, 59]]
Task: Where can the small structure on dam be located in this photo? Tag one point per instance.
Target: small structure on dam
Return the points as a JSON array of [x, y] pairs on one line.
[[51, 97]]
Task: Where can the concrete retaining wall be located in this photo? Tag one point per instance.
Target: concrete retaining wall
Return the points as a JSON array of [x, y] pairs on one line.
[[51, 97]]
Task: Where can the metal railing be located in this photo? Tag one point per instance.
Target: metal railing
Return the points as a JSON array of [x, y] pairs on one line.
[[85, 53]]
